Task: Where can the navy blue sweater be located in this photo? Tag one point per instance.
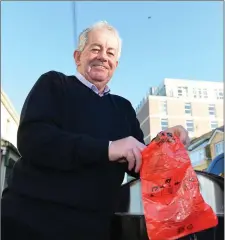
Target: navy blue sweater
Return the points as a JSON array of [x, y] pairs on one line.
[[63, 138]]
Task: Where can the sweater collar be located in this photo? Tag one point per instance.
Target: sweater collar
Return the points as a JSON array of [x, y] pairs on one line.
[[82, 79]]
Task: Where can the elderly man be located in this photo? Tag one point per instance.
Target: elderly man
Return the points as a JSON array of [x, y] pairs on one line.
[[76, 140]]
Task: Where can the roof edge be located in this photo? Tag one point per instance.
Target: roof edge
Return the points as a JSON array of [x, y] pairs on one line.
[[8, 105]]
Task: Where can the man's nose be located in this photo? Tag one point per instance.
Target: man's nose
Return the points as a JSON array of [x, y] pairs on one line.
[[102, 56]]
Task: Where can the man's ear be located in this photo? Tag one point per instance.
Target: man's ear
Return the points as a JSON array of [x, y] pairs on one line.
[[76, 56]]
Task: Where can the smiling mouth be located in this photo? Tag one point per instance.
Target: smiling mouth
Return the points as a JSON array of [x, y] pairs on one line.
[[99, 66]]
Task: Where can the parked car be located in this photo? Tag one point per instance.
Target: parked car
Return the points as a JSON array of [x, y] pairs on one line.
[[217, 165]]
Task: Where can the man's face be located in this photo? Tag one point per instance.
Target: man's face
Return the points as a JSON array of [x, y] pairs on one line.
[[98, 61]]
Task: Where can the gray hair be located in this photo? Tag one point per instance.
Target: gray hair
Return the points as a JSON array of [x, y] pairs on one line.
[[83, 37]]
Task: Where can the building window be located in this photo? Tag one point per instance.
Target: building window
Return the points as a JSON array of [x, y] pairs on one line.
[[187, 108], [170, 92], [194, 93], [182, 91], [205, 93], [216, 94], [214, 125], [179, 91], [162, 91], [164, 107], [219, 148], [200, 93], [212, 110], [190, 126], [197, 157], [164, 124], [219, 93]]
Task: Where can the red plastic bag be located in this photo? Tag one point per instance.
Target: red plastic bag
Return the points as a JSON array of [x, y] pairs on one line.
[[173, 204]]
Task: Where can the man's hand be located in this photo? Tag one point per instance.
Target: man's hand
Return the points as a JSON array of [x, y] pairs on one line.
[[128, 149], [180, 132]]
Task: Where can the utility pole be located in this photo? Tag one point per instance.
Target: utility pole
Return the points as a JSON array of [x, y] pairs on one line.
[[74, 24]]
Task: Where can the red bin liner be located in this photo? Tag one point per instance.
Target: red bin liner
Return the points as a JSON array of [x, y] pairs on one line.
[[173, 204]]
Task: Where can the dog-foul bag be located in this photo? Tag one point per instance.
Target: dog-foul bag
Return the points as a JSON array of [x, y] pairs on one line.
[[172, 202]]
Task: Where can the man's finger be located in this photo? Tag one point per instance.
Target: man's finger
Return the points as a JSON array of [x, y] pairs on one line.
[[131, 160], [138, 159]]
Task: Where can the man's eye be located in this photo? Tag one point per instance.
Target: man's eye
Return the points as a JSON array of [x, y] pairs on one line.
[[110, 53], [95, 49]]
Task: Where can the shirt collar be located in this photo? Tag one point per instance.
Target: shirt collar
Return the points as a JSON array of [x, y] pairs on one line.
[[82, 79]]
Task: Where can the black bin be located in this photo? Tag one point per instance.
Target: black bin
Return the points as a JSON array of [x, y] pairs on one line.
[[129, 223]]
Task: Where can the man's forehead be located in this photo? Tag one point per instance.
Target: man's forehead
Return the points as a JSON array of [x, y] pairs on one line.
[[102, 36]]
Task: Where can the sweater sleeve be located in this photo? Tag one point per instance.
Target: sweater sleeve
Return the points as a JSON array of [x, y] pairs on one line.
[[136, 133], [40, 138]]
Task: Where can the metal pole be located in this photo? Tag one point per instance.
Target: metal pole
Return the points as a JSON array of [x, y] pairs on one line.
[[74, 19]]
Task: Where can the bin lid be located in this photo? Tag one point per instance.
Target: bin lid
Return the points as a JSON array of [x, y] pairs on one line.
[[211, 187]]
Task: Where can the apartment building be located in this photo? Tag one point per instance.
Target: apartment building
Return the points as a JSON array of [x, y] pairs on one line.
[[197, 105], [9, 127], [9, 120]]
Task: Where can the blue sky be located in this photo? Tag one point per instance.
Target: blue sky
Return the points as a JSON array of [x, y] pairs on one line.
[[181, 40]]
